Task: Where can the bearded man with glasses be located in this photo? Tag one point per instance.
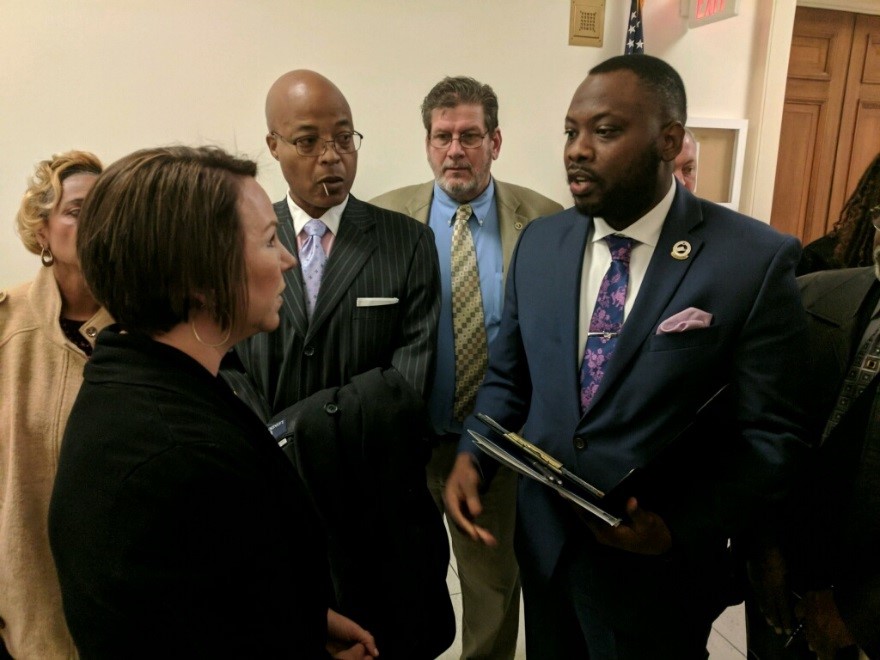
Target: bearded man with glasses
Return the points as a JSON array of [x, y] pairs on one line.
[[346, 372], [460, 116]]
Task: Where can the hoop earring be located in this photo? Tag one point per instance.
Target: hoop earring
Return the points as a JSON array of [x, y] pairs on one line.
[[47, 257], [192, 325]]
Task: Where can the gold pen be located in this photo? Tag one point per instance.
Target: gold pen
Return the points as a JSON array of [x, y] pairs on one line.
[[537, 453]]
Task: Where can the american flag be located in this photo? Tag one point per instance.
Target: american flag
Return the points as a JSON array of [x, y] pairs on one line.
[[635, 37]]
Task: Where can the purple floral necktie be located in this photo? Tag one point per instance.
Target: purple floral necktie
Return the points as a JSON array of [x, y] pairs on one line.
[[607, 318], [312, 259]]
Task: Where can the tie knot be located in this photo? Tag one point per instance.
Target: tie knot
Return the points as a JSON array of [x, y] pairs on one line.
[[315, 228], [620, 247], [463, 214]]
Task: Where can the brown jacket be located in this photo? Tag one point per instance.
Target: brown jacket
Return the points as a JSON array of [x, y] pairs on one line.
[[40, 375]]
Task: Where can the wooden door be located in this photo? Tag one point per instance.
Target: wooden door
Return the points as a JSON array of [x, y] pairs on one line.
[[831, 118], [860, 120]]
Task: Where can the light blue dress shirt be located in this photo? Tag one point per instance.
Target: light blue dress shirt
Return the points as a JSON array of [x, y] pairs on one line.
[[487, 240]]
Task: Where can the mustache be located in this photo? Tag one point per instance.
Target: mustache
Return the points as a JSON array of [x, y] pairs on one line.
[[581, 173]]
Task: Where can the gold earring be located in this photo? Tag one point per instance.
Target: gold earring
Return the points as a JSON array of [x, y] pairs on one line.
[[192, 325], [46, 256]]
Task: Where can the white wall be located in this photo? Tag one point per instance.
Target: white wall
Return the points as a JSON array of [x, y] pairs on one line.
[[112, 77]]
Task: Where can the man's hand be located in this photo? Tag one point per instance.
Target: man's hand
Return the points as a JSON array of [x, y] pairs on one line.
[[768, 576], [825, 631], [462, 499], [346, 640], [644, 533]]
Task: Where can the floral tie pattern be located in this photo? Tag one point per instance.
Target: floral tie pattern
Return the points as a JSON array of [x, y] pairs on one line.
[[312, 259], [607, 319]]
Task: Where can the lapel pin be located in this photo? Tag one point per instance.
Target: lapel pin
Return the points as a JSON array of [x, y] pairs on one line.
[[681, 250]]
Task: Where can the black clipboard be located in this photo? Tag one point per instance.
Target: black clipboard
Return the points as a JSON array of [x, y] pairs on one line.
[[531, 461]]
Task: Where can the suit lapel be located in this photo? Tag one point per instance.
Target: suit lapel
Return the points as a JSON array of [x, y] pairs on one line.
[[570, 250], [840, 307], [351, 250], [510, 222], [293, 298], [419, 205], [663, 277]]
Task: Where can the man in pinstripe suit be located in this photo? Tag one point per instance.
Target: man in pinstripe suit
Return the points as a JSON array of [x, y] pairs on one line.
[[367, 340]]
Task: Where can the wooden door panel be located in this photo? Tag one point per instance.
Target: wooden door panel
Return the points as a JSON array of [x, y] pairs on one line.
[[871, 73], [809, 57], [859, 140], [865, 143], [814, 92], [797, 146]]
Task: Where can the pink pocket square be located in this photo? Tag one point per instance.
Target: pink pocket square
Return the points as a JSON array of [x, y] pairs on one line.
[[689, 319]]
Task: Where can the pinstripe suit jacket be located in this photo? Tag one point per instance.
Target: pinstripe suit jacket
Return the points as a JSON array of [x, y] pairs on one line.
[[301, 368], [377, 253]]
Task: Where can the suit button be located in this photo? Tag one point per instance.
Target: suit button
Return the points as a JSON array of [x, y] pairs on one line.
[[91, 332], [331, 408], [579, 442], [309, 351]]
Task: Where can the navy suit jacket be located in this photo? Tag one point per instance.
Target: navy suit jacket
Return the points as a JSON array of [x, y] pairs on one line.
[[739, 270]]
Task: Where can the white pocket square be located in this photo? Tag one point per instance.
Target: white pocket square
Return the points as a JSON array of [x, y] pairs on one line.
[[376, 302], [689, 319]]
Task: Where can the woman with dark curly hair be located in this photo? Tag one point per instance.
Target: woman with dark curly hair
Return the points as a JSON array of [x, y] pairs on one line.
[[850, 243]]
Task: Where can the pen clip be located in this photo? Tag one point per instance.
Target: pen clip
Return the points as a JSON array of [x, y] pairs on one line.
[[522, 443]]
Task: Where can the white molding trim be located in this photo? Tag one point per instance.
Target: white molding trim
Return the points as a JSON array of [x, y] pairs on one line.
[[857, 6], [740, 127]]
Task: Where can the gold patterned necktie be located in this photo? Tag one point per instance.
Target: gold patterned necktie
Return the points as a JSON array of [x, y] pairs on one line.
[[468, 325]]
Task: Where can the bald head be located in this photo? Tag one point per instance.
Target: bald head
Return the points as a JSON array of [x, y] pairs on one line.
[[307, 114], [295, 91]]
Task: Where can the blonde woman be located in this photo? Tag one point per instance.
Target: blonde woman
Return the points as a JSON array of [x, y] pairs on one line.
[[47, 329]]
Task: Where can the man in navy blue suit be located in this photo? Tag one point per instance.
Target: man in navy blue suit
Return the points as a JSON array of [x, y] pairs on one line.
[[706, 298]]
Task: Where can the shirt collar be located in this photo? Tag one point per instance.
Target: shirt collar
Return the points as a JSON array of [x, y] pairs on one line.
[[645, 230], [331, 216], [480, 204]]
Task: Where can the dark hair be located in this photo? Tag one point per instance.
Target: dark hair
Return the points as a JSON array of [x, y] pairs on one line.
[[454, 91], [854, 228], [159, 235], [656, 75]]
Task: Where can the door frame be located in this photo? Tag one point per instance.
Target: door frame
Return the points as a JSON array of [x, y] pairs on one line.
[[767, 94]]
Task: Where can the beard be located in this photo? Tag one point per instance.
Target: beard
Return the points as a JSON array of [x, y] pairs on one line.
[[465, 190], [631, 196], [461, 191]]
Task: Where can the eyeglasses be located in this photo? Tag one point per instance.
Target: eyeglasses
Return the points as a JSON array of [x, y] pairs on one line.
[[312, 145], [466, 140], [875, 220]]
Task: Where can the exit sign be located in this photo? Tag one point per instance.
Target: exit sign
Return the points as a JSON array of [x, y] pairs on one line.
[[703, 12]]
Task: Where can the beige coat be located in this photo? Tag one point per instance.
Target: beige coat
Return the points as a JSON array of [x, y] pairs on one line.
[[40, 375]]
